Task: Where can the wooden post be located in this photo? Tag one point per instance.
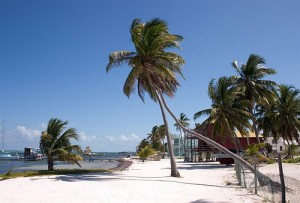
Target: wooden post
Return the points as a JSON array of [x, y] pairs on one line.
[[244, 177], [281, 178], [255, 177]]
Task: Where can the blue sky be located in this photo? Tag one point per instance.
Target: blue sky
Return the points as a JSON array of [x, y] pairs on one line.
[[53, 56]]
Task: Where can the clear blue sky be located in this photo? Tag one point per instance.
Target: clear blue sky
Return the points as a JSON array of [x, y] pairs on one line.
[[53, 56]]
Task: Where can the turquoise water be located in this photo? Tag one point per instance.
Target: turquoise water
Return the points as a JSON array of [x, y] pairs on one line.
[[20, 165]]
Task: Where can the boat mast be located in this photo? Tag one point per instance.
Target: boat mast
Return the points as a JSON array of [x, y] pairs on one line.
[[2, 140]]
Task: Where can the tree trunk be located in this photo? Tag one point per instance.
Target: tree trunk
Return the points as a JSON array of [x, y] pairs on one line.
[[263, 180], [174, 171], [281, 178], [50, 165]]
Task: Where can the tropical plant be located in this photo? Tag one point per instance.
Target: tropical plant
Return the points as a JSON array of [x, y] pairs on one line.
[[282, 118], [146, 152], [56, 144], [142, 145], [153, 68], [261, 177], [185, 122], [155, 139], [250, 82], [228, 112]]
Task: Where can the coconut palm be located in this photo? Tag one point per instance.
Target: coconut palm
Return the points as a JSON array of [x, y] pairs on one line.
[[56, 144], [155, 139], [153, 68], [250, 82], [185, 122], [228, 112], [282, 118], [263, 180], [142, 145]]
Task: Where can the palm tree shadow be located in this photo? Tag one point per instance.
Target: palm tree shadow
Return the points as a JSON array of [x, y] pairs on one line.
[[204, 201], [190, 166], [116, 177]]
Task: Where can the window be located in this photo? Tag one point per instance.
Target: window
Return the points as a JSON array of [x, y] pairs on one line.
[[280, 148]]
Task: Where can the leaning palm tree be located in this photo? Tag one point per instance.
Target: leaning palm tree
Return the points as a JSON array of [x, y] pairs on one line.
[[250, 82], [153, 68], [228, 112], [185, 122], [264, 180], [56, 144]]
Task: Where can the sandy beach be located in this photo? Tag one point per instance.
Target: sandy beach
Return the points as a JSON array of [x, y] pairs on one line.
[[148, 181]]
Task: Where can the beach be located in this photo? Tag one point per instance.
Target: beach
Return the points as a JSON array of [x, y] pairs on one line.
[[147, 181]]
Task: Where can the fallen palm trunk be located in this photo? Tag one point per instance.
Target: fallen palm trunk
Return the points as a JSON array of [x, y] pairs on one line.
[[263, 180]]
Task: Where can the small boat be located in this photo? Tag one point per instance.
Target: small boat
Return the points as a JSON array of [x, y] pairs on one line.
[[8, 156]]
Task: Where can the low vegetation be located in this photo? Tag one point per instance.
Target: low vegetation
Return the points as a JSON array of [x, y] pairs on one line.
[[295, 160], [11, 174], [146, 152]]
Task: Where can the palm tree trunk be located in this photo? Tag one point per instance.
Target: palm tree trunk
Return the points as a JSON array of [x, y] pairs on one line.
[[50, 164], [251, 110], [263, 180], [174, 171]]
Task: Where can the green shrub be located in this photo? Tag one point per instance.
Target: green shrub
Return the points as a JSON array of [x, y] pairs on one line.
[[295, 160]]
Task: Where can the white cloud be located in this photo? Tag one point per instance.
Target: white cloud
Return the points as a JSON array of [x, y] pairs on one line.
[[123, 138], [110, 138], [87, 138], [28, 133]]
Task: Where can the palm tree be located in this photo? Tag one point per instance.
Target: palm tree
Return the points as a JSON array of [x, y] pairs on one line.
[[185, 122], [155, 139], [250, 82], [228, 112], [264, 180], [142, 145], [56, 144], [282, 118], [153, 69]]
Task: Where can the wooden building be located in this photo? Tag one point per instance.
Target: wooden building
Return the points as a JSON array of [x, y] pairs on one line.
[[197, 150]]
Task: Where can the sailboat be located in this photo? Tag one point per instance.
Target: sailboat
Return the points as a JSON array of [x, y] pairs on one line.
[[6, 155]]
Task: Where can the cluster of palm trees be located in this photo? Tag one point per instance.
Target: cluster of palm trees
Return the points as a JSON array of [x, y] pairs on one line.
[[155, 140], [241, 102]]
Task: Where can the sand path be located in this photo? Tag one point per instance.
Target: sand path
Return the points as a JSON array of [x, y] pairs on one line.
[[143, 182]]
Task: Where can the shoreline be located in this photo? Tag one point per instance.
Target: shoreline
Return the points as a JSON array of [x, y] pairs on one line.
[[136, 181], [132, 181]]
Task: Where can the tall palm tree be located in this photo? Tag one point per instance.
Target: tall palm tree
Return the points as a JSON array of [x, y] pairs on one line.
[[185, 122], [56, 144], [250, 82], [282, 118], [228, 112], [263, 180], [153, 68]]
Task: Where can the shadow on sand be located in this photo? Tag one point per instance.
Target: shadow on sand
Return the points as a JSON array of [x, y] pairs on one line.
[[117, 177]]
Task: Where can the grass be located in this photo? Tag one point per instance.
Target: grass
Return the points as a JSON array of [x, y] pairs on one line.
[[295, 160], [11, 174]]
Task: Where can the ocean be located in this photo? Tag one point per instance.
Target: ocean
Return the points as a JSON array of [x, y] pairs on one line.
[[20, 165]]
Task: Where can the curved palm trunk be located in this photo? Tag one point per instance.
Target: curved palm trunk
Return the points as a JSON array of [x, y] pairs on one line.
[[263, 180], [174, 171]]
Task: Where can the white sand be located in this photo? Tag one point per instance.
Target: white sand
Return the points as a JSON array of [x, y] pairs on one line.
[[142, 182]]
